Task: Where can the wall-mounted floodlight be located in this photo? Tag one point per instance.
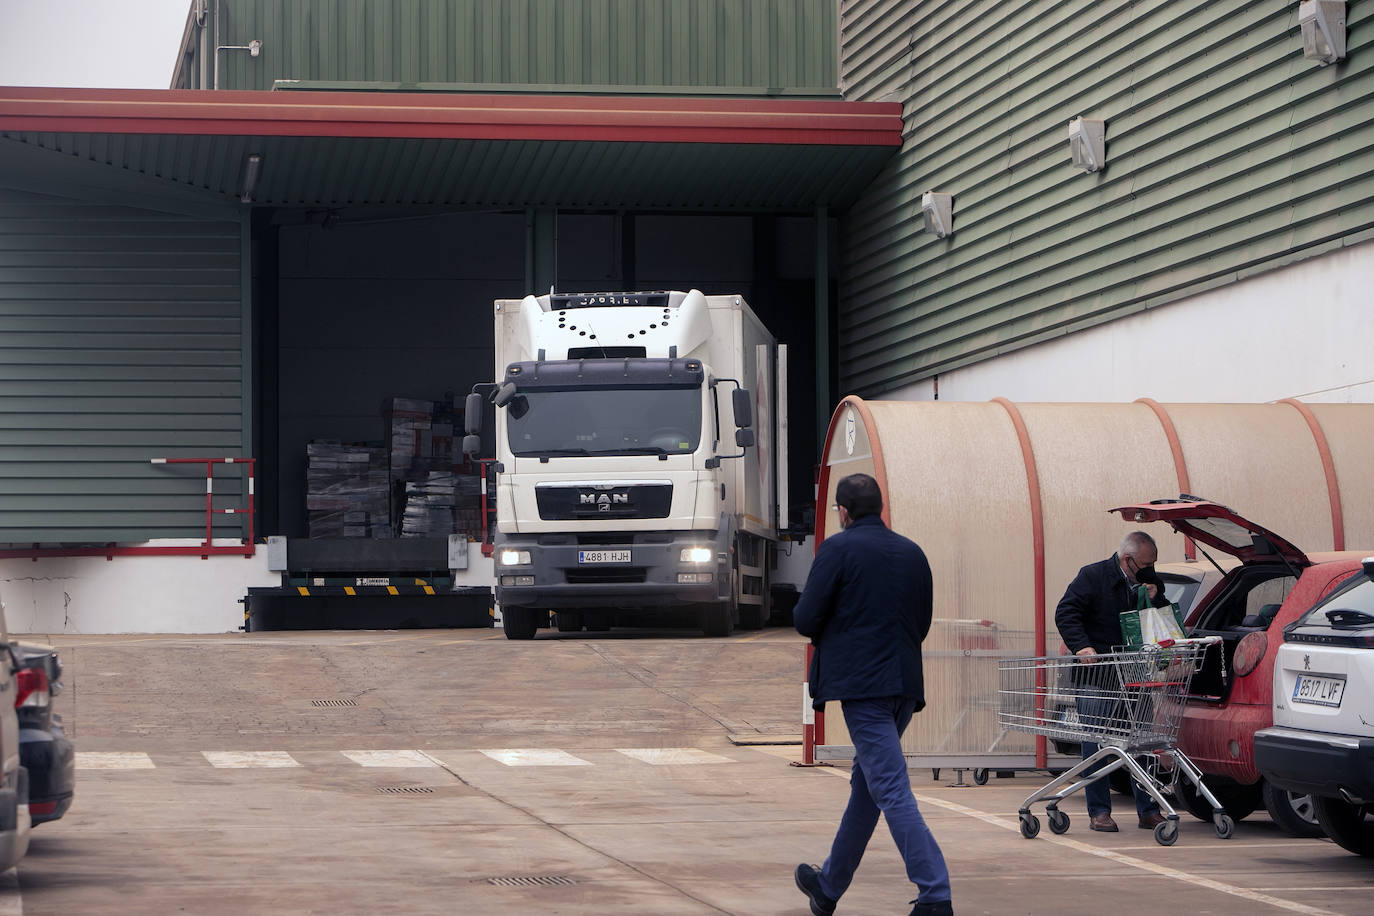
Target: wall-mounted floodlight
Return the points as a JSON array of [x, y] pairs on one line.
[[252, 171], [1088, 143], [254, 48], [1323, 29], [938, 211]]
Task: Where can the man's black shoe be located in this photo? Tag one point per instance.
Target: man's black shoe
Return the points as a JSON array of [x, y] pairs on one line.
[[934, 908], [809, 883]]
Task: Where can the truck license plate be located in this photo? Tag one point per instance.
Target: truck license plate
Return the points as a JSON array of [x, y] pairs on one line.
[[603, 556], [1319, 691]]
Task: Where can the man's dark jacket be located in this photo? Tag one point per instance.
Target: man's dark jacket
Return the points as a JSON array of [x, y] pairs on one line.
[[866, 607], [1089, 614]]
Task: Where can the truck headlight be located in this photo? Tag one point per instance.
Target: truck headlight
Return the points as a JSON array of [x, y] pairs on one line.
[[695, 555], [515, 558]]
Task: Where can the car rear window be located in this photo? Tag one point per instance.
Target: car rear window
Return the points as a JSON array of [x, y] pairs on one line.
[[1356, 596]]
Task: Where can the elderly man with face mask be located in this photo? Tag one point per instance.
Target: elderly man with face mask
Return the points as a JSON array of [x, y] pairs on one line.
[[1089, 621]]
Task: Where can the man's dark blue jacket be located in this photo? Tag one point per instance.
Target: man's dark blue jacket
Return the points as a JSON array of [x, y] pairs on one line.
[[866, 607], [1089, 614]]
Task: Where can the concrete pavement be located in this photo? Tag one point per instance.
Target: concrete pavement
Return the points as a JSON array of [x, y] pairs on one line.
[[458, 772]]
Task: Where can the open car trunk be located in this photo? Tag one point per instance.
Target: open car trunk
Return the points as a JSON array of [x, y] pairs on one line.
[[1248, 597]]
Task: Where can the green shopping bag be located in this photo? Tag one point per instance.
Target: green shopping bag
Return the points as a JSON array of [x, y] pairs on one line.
[[1145, 624]]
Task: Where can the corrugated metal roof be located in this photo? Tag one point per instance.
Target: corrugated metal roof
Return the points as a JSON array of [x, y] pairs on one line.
[[567, 42], [1227, 154], [351, 149]]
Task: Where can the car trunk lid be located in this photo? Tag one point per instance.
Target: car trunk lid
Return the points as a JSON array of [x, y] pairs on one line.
[[1219, 527]]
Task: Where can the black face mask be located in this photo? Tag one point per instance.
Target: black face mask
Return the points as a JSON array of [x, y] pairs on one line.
[[1146, 574]]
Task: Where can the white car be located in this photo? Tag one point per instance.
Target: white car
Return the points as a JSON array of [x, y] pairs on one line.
[[1322, 740]]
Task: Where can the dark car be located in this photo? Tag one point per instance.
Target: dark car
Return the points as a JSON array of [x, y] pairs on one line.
[[1231, 696], [44, 749]]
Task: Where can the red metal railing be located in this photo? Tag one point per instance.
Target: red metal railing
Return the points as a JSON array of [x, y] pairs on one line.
[[203, 550]]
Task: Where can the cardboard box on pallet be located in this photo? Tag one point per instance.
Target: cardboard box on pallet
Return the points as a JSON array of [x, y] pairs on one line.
[[346, 491], [408, 434]]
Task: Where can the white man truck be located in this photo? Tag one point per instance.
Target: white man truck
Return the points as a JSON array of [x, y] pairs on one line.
[[640, 458]]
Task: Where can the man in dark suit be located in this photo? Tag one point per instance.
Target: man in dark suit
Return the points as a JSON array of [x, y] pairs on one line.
[[1089, 621], [867, 607]]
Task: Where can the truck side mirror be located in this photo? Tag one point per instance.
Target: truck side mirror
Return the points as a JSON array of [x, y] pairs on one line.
[[744, 407], [504, 394], [744, 437], [472, 446], [472, 415]]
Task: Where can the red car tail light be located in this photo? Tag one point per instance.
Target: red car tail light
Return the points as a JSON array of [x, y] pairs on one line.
[[33, 688], [1249, 652], [42, 807]]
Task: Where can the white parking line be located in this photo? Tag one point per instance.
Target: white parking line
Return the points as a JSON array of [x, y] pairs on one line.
[[237, 760], [535, 757], [1013, 824], [666, 756], [389, 758], [113, 760]]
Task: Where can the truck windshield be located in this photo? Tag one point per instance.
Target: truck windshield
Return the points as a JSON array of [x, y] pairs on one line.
[[607, 421]]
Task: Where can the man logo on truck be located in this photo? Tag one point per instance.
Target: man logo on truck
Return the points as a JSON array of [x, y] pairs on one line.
[[603, 501]]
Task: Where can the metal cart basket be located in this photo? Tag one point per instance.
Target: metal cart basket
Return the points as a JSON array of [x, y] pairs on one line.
[[1129, 703]]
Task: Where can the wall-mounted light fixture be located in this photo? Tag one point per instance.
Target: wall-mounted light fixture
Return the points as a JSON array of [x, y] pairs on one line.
[[1088, 143], [938, 211], [254, 48], [1323, 29], [252, 171]]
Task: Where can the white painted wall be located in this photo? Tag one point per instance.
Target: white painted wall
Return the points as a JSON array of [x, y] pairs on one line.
[[139, 594], [1304, 331]]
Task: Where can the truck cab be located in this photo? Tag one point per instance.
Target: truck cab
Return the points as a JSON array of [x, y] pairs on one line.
[[637, 460]]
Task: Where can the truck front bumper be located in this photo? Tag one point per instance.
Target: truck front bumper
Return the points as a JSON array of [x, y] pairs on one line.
[[565, 574]]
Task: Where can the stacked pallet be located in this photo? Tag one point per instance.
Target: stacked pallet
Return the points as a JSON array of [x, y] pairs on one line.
[[346, 494]]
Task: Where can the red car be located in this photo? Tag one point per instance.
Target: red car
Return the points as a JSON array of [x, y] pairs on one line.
[[1232, 694]]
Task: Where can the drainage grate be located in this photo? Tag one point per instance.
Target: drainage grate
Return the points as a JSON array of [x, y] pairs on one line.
[[333, 702], [406, 790], [533, 881]]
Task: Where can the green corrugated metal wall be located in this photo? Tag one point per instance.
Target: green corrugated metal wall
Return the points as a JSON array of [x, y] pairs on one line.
[[1227, 154], [120, 341], [735, 43]]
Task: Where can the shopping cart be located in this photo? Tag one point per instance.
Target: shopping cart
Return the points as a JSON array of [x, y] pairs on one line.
[[1130, 703]]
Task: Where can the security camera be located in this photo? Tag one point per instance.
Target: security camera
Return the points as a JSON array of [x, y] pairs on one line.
[[254, 48]]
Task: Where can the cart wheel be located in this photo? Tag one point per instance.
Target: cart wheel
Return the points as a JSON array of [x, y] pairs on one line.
[[1166, 834], [1059, 821], [1030, 825], [1226, 827], [980, 777], [935, 773]]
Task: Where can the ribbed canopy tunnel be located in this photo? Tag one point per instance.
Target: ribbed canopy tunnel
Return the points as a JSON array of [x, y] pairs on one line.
[[1010, 500]]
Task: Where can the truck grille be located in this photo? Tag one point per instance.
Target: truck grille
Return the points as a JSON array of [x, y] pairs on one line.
[[570, 501], [604, 576]]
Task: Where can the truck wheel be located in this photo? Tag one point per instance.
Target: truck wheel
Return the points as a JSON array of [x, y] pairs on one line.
[[752, 616], [521, 622], [718, 619]]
